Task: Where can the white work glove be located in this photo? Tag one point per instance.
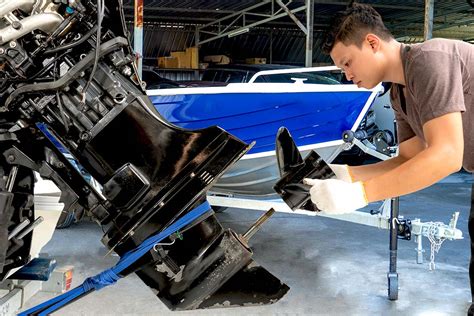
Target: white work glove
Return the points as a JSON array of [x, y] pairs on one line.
[[333, 196], [342, 172]]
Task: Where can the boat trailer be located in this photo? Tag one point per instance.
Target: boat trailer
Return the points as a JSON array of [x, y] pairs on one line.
[[386, 217]]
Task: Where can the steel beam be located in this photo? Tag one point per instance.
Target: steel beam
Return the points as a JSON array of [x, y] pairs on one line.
[[309, 33], [375, 5], [271, 47], [446, 26], [138, 35], [238, 13], [251, 25], [397, 23], [184, 10], [292, 16], [196, 43], [428, 28], [166, 20], [450, 32]]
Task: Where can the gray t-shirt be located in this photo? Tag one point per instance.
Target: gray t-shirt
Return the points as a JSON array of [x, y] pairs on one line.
[[439, 78]]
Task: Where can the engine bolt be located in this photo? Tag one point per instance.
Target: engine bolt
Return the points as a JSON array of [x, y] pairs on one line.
[[12, 44], [2, 51], [127, 71], [11, 158], [16, 25], [85, 136]]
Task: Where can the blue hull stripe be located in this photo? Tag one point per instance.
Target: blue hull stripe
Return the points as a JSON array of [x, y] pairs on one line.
[[311, 117]]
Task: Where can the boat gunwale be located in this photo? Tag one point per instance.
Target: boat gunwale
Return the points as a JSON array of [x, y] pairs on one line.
[[258, 88]]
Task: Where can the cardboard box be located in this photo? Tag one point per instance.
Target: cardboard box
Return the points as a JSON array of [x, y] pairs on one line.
[[60, 280], [256, 60], [183, 60], [188, 59], [168, 62], [161, 62], [217, 59], [193, 55]]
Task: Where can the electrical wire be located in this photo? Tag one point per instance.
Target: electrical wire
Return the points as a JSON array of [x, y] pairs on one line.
[[46, 67], [100, 16], [58, 100], [74, 44]]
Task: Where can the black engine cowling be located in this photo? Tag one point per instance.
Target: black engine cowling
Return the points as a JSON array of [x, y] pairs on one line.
[[69, 85]]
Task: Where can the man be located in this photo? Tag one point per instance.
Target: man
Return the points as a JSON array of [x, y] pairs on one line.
[[433, 99]]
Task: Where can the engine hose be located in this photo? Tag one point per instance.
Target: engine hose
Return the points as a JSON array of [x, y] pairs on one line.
[[71, 75], [71, 45]]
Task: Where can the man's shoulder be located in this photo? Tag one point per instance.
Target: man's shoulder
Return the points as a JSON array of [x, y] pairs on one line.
[[438, 52], [442, 45]]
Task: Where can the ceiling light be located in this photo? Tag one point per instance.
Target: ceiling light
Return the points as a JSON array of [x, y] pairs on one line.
[[238, 32]]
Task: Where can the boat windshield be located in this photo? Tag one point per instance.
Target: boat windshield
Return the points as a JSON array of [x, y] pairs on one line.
[[312, 78], [227, 75]]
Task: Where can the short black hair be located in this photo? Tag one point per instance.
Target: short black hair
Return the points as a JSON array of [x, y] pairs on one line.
[[353, 24]]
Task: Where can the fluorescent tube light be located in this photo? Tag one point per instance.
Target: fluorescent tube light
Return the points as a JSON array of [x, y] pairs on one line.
[[238, 32]]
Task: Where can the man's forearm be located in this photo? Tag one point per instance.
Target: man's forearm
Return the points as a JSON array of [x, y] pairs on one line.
[[367, 172], [442, 155], [423, 170]]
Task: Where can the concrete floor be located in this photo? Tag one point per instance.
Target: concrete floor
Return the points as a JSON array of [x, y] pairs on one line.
[[332, 267]]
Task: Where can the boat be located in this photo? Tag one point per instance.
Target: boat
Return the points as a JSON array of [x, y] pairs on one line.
[[316, 115]]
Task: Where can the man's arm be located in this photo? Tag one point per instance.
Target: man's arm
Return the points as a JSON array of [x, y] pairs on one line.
[[406, 150], [442, 156]]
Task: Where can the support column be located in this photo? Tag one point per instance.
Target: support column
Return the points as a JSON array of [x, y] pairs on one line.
[[196, 43], [271, 46], [138, 35], [429, 11], [309, 34]]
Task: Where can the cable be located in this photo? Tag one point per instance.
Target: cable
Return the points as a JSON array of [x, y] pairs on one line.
[[74, 44], [45, 68], [100, 15], [112, 275], [58, 100]]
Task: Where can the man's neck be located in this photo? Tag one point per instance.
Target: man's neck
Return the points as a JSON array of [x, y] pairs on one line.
[[395, 72]]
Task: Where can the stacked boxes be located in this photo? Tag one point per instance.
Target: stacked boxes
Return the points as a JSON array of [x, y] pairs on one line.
[[168, 62], [188, 59], [183, 59]]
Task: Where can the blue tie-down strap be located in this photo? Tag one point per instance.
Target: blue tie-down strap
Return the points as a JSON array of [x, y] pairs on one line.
[[110, 276]]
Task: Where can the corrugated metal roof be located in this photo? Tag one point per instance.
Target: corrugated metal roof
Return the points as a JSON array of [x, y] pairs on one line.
[[170, 26], [288, 46]]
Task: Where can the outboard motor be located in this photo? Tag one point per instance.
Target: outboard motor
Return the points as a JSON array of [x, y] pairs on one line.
[[68, 83]]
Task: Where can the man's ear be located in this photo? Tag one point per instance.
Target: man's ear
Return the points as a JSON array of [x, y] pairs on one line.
[[374, 41]]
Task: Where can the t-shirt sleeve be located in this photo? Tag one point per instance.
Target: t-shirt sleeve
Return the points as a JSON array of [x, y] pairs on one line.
[[436, 83]]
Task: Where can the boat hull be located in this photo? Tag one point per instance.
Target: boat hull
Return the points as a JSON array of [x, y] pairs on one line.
[[315, 115], [256, 176]]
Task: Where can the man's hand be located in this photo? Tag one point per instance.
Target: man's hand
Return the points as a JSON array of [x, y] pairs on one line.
[[334, 196], [342, 172]]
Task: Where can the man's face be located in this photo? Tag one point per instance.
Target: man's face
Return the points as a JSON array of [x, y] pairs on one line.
[[360, 65]]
